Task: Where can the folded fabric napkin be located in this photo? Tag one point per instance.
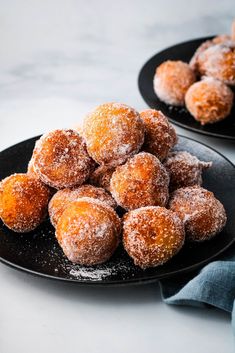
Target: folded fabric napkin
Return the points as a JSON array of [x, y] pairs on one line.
[[214, 285]]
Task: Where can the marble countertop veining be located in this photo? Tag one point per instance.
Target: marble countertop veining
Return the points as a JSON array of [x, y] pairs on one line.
[[59, 59]]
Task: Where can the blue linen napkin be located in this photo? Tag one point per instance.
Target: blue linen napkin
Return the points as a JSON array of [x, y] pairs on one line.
[[214, 285]]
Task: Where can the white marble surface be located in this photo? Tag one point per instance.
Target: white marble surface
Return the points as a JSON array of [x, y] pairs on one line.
[[58, 59]]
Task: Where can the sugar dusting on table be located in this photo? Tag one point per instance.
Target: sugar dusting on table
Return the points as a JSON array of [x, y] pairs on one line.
[[97, 273]]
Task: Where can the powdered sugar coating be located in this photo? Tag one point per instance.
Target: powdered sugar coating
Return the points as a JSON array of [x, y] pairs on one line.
[[173, 134], [184, 169], [205, 45], [63, 198], [203, 215], [152, 235], [222, 38], [101, 176], [160, 135], [113, 132], [218, 61], [23, 202], [31, 169], [141, 181], [61, 159], [93, 274], [32, 173], [171, 81], [88, 231], [209, 100]]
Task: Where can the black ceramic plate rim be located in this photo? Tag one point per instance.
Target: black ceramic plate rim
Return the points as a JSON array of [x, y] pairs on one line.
[[211, 134], [150, 278]]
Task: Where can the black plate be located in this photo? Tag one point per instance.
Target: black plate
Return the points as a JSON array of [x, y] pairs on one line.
[[38, 252], [180, 116]]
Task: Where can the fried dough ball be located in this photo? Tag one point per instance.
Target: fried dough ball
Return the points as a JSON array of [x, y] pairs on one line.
[[160, 136], [78, 129], [23, 202], [205, 45], [31, 169], [152, 235], [63, 198], [218, 61], [141, 181], [32, 173], [88, 231], [222, 38], [113, 132], [173, 134], [184, 169], [61, 159], [101, 176], [171, 81], [203, 215], [209, 100], [194, 60]]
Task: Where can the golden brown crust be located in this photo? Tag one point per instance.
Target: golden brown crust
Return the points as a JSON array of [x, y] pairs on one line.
[[141, 181], [101, 176], [205, 45], [152, 235], [61, 159], [184, 169], [171, 81], [63, 198], [209, 100], [31, 169], [113, 132], [88, 231], [23, 202], [160, 136], [218, 61], [203, 215]]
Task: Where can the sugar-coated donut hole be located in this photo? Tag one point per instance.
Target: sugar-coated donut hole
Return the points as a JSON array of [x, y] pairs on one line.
[[205, 45], [152, 235], [31, 169], [113, 132], [160, 135], [63, 198], [61, 159], [203, 215], [101, 176], [141, 181], [184, 169], [171, 81], [88, 231], [105, 154], [209, 100], [218, 61], [23, 202]]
